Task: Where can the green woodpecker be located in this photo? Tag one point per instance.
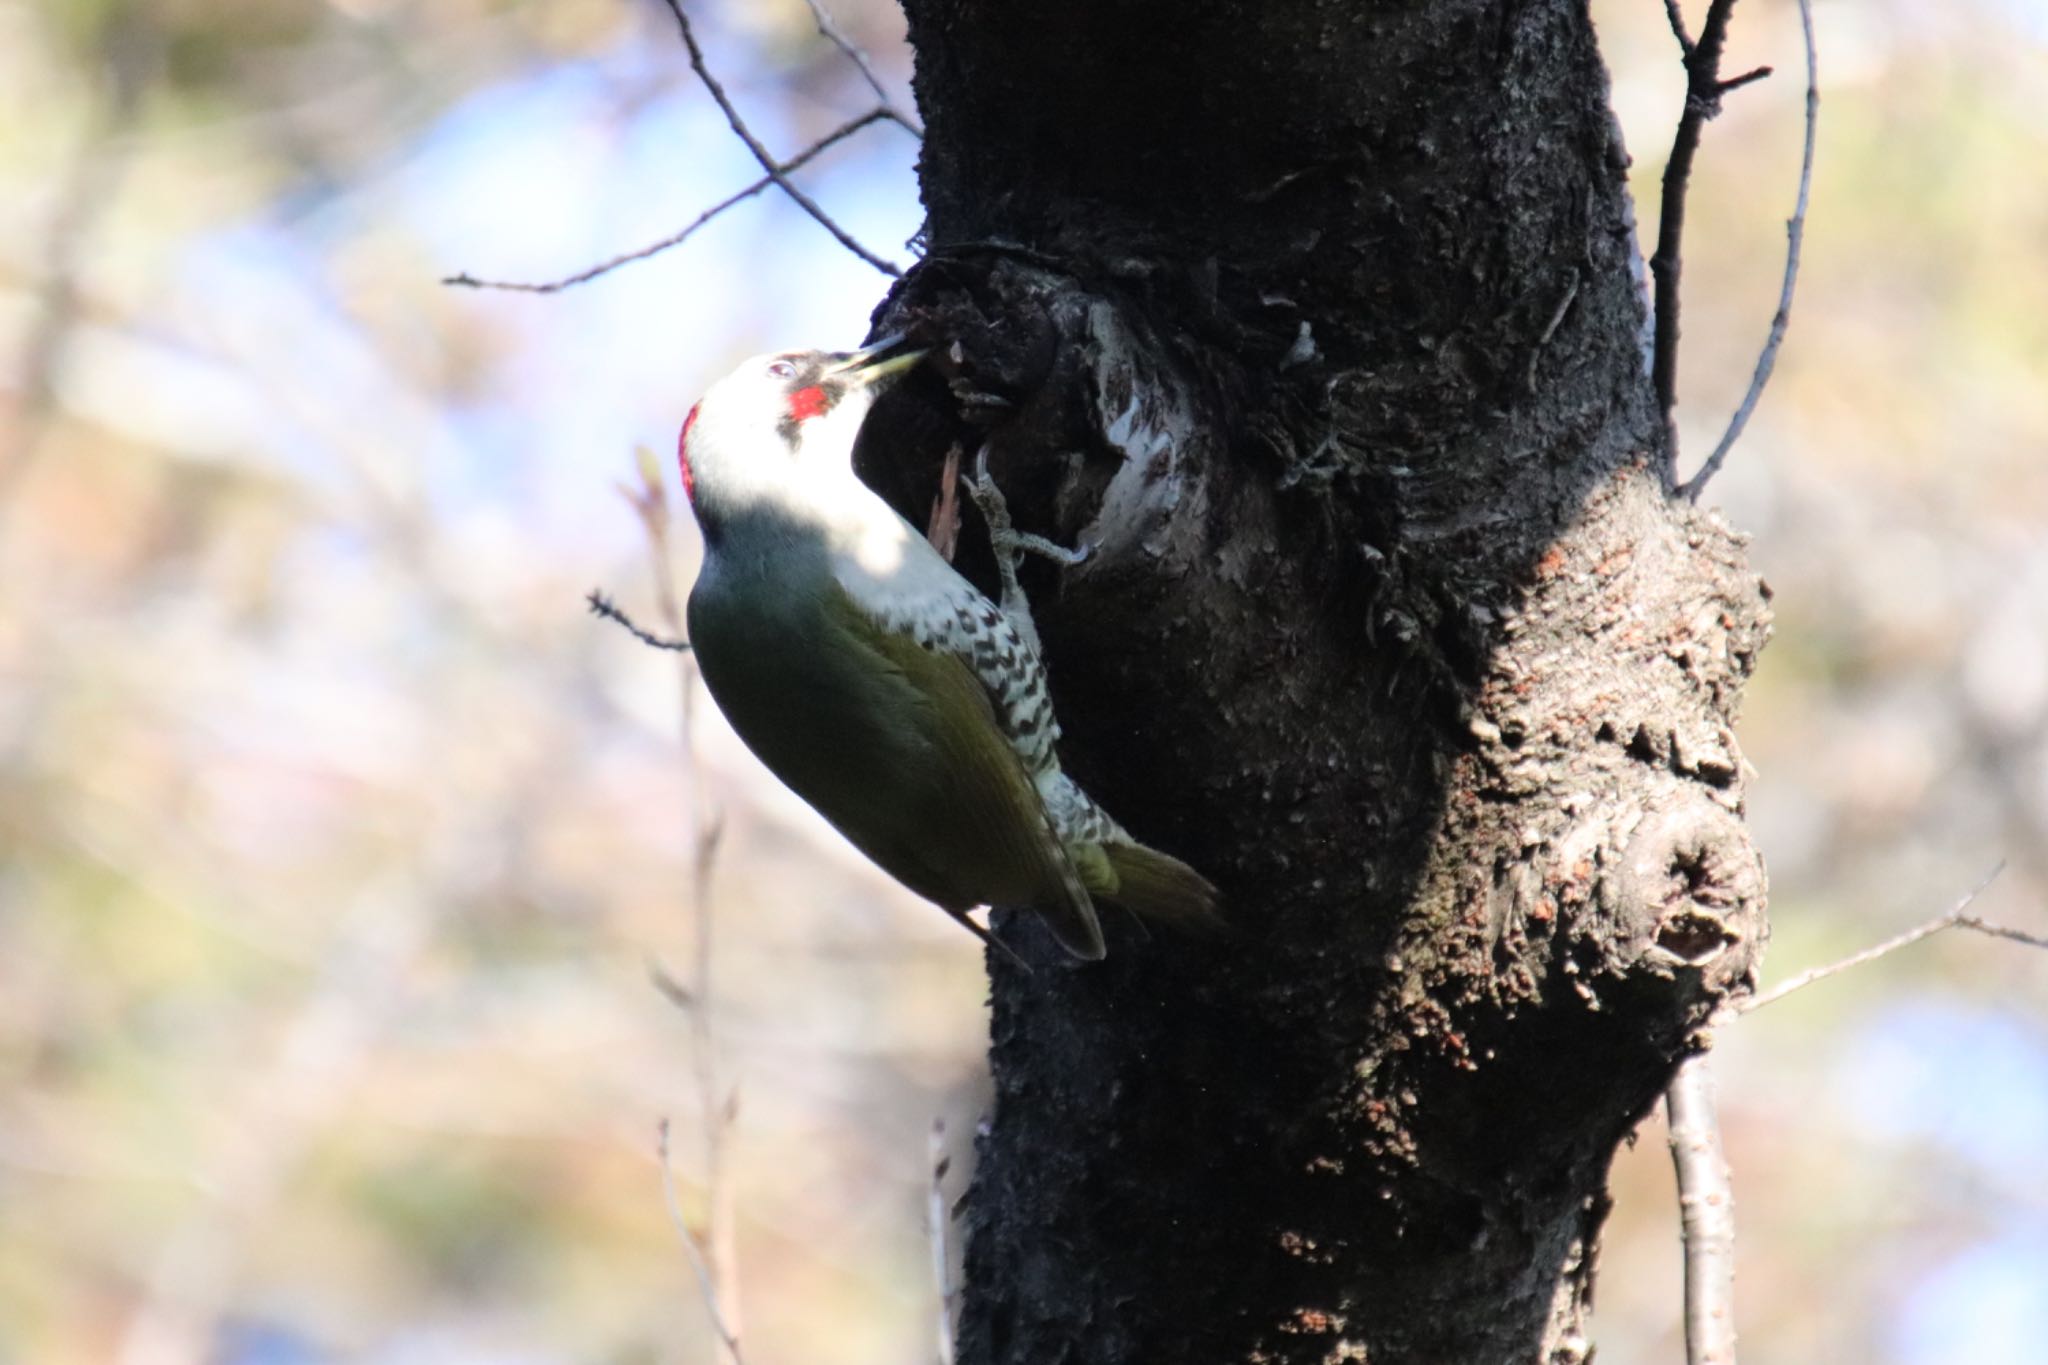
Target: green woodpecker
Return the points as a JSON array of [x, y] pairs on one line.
[[874, 680]]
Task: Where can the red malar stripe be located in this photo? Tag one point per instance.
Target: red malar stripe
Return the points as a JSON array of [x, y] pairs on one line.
[[805, 404]]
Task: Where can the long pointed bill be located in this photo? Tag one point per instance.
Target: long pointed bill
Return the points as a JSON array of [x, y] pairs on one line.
[[875, 366]]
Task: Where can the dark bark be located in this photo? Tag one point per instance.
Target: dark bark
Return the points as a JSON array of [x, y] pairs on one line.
[[1323, 324]]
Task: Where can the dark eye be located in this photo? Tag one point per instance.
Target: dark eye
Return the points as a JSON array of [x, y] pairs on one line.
[[782, 369]]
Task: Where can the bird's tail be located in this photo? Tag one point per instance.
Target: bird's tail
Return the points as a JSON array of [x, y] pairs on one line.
[[1161, 887]]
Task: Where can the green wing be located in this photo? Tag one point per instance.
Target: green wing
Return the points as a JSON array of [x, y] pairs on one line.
[[981, 834]]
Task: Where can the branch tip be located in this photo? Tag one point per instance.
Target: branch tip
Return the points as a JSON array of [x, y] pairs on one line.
[[691, 1247], [1702, 61], [837, 37], [601, 605], [689, 230], [1795, 231], [1956, 916], [767, 162]]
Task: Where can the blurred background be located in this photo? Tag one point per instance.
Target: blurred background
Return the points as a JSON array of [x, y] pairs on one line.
[[339, 846]]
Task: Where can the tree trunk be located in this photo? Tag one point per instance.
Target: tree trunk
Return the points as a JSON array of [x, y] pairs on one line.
[[1323, 325]]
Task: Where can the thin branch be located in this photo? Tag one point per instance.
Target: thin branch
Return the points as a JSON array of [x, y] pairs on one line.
[[837, 37], [1671, 12], [1706, 1192], [2006, 932], [1706, 1207], [768, 163], [691, 1248], [937, 1217], [1750, 77], [803, 158], [1954, 918], [1702, 102], [1795, 232], [719, 1108], [600, 605]]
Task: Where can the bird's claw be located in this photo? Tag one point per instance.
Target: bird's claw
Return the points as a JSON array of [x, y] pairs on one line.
[[1007, 541], [1052, 549], [1010, 545]]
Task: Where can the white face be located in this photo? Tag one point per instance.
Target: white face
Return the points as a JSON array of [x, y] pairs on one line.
[[776, 426]]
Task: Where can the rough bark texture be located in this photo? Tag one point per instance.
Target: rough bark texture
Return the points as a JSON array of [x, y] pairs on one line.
[[1323, 324]]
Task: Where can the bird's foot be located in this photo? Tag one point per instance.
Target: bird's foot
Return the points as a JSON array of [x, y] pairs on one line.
[[1010, 546], [1059, 554]]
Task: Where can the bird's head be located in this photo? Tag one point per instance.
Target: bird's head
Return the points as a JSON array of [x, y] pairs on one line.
[[781, 421]]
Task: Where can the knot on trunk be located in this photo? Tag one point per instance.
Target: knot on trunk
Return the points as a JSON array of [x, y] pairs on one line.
[[1688, 895]]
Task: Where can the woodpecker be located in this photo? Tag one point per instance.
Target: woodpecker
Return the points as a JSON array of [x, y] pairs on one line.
[[877, 683]]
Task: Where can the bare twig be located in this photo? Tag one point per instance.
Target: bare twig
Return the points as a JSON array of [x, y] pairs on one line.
[[1706, 1193], [1706, 1205], [1954, 918], [1702, 102], [768, 163], [600, 605], [837, 37], [1795, 231], [1671, 12], [706, 1285], [1750, 77], [719, 1261], [937, 1217], [837, 135], [2009, 934]]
